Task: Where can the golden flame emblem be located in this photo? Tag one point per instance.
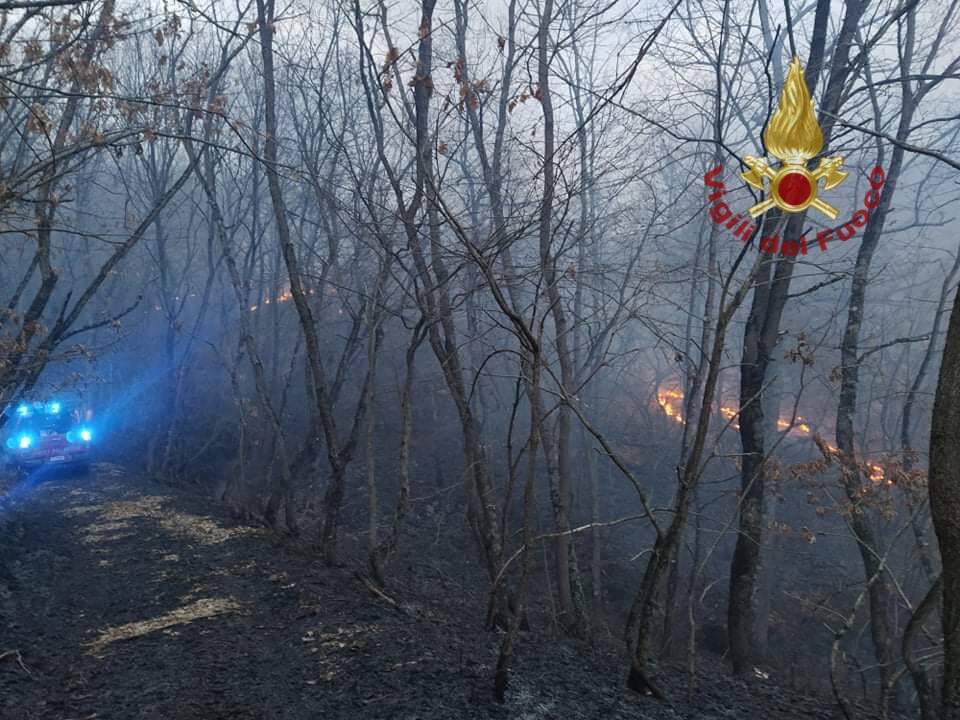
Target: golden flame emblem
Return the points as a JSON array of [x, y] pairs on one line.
[[793, 137]]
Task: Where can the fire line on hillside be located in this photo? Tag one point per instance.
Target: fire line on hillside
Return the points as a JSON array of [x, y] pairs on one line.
[[670, 401]]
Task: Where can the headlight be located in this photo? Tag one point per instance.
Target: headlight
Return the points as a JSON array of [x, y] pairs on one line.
[[80, 434]]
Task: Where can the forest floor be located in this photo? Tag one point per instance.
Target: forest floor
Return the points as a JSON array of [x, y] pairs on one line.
[[122, 599]]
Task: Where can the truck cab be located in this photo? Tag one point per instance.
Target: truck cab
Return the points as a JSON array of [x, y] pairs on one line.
[[49, 432]]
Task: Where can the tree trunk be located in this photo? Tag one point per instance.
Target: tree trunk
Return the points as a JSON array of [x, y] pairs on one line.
[[944, 484], [645, 608], [207, 181], [759, 341], [922, 680], [883, 625], [772, 285], [568, 582], [388, 547]]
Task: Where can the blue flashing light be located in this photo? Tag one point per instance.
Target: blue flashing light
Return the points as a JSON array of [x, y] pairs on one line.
[[25, 441], [86, 434], [23, 410], [54, 408]]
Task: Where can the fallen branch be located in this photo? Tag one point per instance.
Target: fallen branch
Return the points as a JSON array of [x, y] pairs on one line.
[[372, 587], [16, 654]]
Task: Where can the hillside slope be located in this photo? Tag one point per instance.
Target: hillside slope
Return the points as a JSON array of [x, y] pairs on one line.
[[124, 600]]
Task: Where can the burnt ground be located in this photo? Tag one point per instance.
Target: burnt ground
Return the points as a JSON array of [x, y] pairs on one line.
[[122, 599]]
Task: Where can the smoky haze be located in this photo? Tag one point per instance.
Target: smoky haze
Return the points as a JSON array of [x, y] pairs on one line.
[[456, 289]]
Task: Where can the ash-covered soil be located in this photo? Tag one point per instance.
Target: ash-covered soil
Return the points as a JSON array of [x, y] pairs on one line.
[[121, 599]]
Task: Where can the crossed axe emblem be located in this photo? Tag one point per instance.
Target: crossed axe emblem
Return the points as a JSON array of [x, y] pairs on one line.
[[801, 188]]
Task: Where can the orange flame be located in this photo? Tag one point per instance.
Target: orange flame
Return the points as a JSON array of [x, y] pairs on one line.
[[671, 401], [285, 296]]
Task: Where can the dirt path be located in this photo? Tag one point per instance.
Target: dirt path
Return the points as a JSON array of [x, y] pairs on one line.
[[122, 600], [127, 604]]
